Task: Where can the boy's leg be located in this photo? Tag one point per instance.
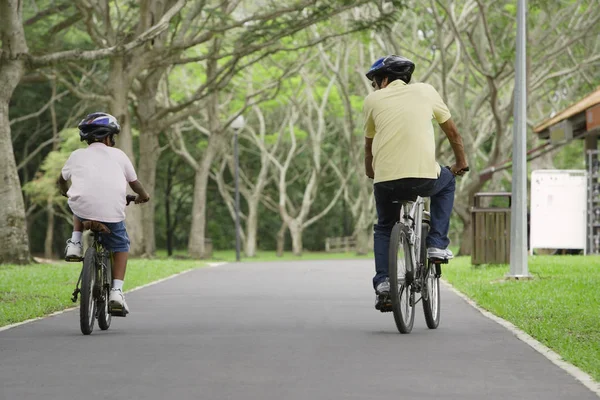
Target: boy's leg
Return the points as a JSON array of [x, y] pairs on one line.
[[442, 201], [119, 266], [117, 241], [77, 225]]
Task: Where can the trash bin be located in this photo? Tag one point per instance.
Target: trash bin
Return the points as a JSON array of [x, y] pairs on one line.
[[491, 230]]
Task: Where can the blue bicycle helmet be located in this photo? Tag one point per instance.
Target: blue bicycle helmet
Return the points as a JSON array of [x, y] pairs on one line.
[[392, 65], [97, 126]]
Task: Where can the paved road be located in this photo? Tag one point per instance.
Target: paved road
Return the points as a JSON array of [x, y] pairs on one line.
[[294, 330]]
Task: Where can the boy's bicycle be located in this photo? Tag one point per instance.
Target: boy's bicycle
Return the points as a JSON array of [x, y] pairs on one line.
[[413, 276], [96, 281]]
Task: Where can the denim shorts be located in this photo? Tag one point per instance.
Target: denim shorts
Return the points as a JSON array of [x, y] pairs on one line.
[[117, 240]]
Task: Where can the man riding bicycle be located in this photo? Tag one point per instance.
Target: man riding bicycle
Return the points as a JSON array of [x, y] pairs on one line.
[[400, 158], [99, 175]]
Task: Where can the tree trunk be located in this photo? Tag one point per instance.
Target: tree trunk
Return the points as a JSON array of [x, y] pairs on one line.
[[296, 234], [466, 238], [48, 248], [196, 246], [149, 155], [281, 239], [119, 107], [362, 241], [251, 228], [169, 228], [14, 246]]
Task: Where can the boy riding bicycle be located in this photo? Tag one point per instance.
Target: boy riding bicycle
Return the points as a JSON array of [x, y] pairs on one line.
[[99, 176]]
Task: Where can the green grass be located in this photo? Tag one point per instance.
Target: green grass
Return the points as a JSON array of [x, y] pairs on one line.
[[39, 289], [268, 256], [560, 307]]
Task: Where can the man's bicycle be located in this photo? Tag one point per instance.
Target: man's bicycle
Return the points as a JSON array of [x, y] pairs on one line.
[[413, 276], [96, 280]]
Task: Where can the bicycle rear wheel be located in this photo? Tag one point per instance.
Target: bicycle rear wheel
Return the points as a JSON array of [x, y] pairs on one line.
[[401, 277], [87, 309], [431, 287], [104, 316]]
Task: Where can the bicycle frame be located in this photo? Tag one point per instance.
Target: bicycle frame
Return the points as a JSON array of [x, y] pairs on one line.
[[410, 213], [103, 265]]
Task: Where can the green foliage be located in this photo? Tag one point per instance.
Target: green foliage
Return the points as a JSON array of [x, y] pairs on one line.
[[43, 187], [570, 156]]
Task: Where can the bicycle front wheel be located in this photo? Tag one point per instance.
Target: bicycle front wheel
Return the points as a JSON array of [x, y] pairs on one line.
[[401, 279], [87, 309]]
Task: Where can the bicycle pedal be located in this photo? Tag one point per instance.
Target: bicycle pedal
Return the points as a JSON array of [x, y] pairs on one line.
[[118, 313], [73, 259], [386, 308], [438, 260], [383, 303]]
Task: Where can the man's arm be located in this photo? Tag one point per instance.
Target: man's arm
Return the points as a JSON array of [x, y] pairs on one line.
[[369, 158], [62, 184], [142, 195], [456, 142]]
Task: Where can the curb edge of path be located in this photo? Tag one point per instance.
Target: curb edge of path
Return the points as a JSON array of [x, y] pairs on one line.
[[7, 327], [550, 354]]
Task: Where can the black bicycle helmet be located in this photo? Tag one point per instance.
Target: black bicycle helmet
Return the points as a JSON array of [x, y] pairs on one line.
[[97, 126], [393, 65]]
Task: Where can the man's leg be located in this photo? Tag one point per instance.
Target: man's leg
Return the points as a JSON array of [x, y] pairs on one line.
[[442, 201], [388, 214]]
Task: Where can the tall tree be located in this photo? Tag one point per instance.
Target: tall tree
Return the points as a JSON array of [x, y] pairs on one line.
[[15, 59]]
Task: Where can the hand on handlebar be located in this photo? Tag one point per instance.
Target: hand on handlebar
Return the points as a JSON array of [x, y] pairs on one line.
[[137, 199], [459, 170]]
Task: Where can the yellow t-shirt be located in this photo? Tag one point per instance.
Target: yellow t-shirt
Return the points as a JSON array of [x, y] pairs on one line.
[[398, 118]]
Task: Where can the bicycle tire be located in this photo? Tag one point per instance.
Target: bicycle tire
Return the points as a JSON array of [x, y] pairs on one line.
[[87, 307], [104, 315], [400, 272], [431, 285]]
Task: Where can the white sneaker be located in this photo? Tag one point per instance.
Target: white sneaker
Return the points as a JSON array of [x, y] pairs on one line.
[[74, 251], [116, 300], [442, 254]]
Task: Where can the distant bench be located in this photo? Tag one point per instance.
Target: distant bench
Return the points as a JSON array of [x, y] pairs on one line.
[[341, 244]]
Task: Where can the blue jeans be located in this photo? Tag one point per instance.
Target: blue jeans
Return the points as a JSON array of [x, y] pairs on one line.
[[387, 199], [117, 240]]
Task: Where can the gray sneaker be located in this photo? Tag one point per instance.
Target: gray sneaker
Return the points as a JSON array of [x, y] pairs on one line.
[[383, 302], [442, 254]]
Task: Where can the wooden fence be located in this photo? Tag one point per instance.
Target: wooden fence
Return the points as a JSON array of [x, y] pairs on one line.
[[342, 244]]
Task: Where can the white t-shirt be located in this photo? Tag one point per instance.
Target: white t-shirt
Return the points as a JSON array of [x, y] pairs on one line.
[[99, 175]]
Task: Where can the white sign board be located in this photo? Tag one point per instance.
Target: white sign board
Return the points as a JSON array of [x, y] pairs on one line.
[[558, 209]]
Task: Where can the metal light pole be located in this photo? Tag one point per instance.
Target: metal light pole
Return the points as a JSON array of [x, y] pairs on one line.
[[518, 232], [237, 125]]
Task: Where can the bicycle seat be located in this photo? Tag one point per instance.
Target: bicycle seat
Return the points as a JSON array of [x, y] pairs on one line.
[[95, 226]]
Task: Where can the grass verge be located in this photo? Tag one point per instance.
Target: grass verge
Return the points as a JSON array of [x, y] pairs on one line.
[[36, 290], [268, 256], [560, 307]]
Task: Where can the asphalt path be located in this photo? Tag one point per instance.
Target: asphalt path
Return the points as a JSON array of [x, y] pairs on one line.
[[285, 331]]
